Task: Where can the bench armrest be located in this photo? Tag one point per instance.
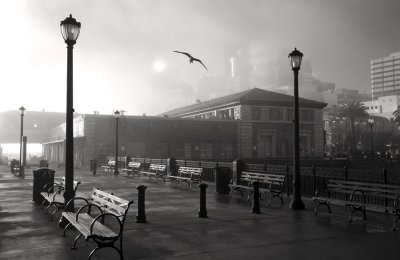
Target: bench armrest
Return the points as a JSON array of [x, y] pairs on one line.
[[319, 189], [358, 191], [52, 187], [89, 205], [102, 216], [47, 188], [277, 183], [61, 188], [76, 198], [395, 204], [77, 185]]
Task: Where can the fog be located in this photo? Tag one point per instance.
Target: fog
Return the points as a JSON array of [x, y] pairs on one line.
[[121, 41]]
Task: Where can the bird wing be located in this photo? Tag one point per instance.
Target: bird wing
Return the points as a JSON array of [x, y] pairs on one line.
[[185, 53], [200, 63]]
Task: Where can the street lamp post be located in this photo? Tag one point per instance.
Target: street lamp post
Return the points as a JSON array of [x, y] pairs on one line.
[[295, 58], [117, 115], [21, 165], [70, 29], [371, 124]]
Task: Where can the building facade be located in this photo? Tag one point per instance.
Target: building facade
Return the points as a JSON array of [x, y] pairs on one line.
[[383, 106], [250, 124], [385, 76]]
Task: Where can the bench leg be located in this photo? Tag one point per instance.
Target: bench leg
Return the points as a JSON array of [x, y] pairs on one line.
[[99, 246], [48, 207], [325, 203], [91, 253], [65, 229], [54, 212], [248, 196], [395, 223], [355, 208], [75, 241], [275, 195], [43, 202], [235, 189]]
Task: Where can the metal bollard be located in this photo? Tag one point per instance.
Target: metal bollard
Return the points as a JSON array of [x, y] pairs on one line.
[[21, 172], [203, 207], [385, 181], [256, 198], [94, 167], [63, 222], [141, 214]]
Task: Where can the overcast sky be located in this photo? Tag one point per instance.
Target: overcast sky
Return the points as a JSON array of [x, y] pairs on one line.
[[120, 42]]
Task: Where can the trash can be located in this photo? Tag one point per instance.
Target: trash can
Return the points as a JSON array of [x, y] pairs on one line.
[[14, 163], [41, 177], [93, 166], [222, 180], [43, 164]]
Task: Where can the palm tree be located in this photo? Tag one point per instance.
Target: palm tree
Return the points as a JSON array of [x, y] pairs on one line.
[[396, 114], [351, 110]]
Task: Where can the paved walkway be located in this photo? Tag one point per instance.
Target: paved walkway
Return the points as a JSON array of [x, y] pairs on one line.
[[173, 230]]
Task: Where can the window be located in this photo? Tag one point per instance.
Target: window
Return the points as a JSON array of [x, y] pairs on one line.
[[136, 149], [264, 114], [275, 114], [177, 150], [264, 145], [256, 113], [226, 151], [206, 150], [290, 114], [188, 151], [161, 150], [306, 115], [223, 114], [304, 147]]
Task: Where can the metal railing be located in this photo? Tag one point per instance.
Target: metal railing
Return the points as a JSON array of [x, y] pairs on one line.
[[311, 177]]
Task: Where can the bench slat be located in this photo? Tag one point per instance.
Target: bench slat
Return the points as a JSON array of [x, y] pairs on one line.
[[83, 225], [108, 202], [365, 183]]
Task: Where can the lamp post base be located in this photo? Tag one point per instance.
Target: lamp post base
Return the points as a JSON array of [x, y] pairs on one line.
[[296, 204]]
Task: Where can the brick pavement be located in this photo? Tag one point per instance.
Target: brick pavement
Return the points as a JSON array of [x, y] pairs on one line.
[[173, 230]]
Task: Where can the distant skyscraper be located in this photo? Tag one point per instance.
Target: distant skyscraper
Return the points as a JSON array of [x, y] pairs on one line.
[[237, 58], [385, 76]]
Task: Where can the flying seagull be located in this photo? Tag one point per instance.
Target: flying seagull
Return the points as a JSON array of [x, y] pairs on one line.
[[191, 58]]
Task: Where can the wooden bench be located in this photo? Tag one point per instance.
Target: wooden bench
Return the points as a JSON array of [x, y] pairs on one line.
[[156, 171], [358, 195], [189, 175], [109, 167], [53, 195], [269, 183], [16, 170], [132, 168], [92, 226]]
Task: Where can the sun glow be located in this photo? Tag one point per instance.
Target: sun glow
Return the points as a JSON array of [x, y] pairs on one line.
[[159, 66]]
